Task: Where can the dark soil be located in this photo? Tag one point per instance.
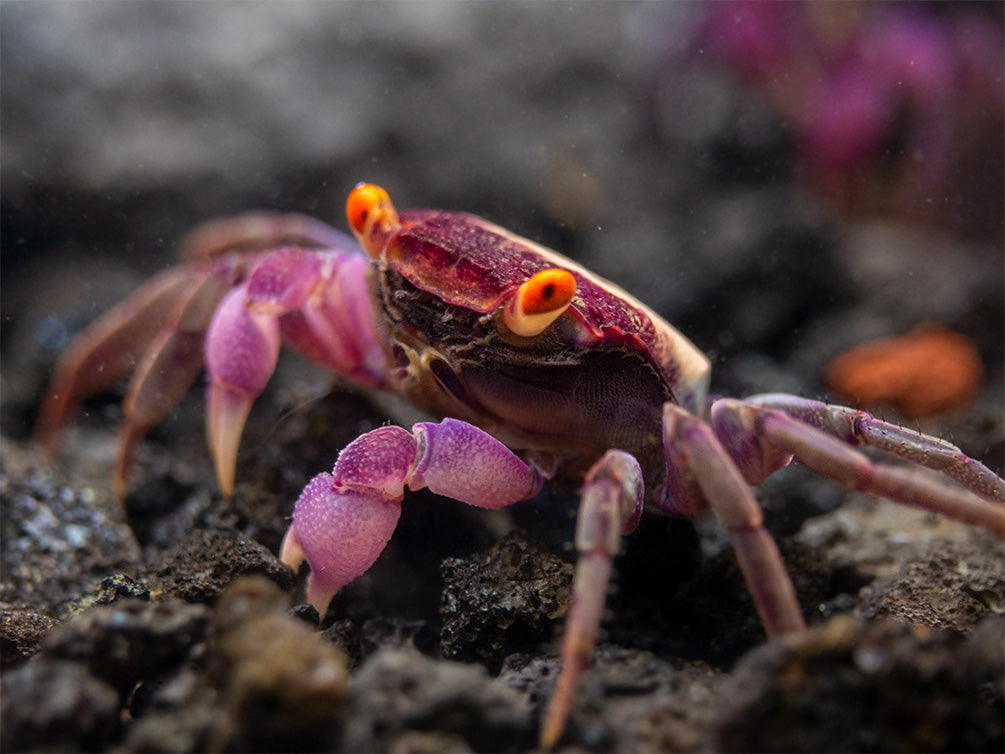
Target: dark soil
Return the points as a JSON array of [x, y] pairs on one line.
[[165, 622]]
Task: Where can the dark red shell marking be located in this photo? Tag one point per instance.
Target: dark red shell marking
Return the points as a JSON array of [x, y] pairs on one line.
[[466, 261]]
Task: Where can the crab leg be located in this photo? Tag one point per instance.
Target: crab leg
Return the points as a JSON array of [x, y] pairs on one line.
[[176, 307], [242, 349], [343, 520], [167, 371], [700, 475], [835, 459], [694, 452], [258, 231], [610, 507], [859, 428], [109, 349], [318, 300]]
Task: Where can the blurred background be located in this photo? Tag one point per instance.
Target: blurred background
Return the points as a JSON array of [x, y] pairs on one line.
[[782, 181]]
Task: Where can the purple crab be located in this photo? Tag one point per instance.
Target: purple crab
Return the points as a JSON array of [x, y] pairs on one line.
[[539, 369]]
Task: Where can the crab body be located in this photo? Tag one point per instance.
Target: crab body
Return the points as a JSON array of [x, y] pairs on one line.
[[596, 379], [539, 369]]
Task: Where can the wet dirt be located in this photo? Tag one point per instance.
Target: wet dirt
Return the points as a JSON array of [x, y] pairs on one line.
[[204, 647]]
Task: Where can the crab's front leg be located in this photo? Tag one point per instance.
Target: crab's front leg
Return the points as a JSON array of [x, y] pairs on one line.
[[343, 520], [317, 301], [610, 507], [700, 474]]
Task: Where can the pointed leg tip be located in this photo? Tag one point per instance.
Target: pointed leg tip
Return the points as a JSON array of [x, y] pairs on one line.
[[226, 417], [225, 472], [290, 552], [131, 435], [549, 739], [57, 407], [120, 486], [320, 595], [555, 719], [47, 436]]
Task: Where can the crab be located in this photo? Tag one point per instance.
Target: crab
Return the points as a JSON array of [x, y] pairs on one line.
[[537, 370]]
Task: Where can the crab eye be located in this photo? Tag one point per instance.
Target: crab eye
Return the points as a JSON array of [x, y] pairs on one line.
[[367, 203], [539, 302]]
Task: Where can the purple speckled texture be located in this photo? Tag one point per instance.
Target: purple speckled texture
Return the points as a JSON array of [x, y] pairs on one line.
[[283, 280], [465, 463], [380, 460], [341, 532], [342, 521], [241, 347]]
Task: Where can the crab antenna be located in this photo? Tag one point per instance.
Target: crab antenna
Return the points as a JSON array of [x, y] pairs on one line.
[[539, 302]]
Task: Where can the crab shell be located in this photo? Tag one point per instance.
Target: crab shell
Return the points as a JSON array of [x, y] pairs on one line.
[[596, 378]]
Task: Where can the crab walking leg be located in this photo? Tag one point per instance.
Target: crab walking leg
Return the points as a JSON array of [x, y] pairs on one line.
[[258, 231], [343, 520], [167, 371], [694, 445], [859, 428], [110, 347], [611, 506], [834, 459]]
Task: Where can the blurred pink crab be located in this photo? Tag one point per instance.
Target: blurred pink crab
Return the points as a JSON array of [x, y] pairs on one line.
[[542, 369], [895, 107]]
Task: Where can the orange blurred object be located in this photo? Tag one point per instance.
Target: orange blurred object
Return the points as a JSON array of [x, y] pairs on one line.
[[929, 370]]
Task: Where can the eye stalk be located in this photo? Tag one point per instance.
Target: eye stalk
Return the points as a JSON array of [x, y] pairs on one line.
[[371, 215], [539, 302]]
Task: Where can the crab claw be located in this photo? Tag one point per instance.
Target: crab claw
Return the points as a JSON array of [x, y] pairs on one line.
[[340, 531], [242, 348], [343, 520]]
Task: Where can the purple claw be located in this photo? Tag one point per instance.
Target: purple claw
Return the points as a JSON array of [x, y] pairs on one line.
[[343, 520], [463, 462], [381, 460], [341, 532], [242, 349]]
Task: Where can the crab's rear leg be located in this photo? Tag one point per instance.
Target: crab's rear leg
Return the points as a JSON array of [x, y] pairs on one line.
[[160, 328], [343, 520], [169, 367], [861, 428], [107, 350], [762, 439], [257, 232]]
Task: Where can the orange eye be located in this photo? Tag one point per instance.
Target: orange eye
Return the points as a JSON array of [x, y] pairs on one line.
[[547, 291], [539, 302], [363, 201]]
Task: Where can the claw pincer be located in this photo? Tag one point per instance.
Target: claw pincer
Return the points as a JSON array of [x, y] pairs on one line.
[[343, 520], [242, 348], [317, 301]]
